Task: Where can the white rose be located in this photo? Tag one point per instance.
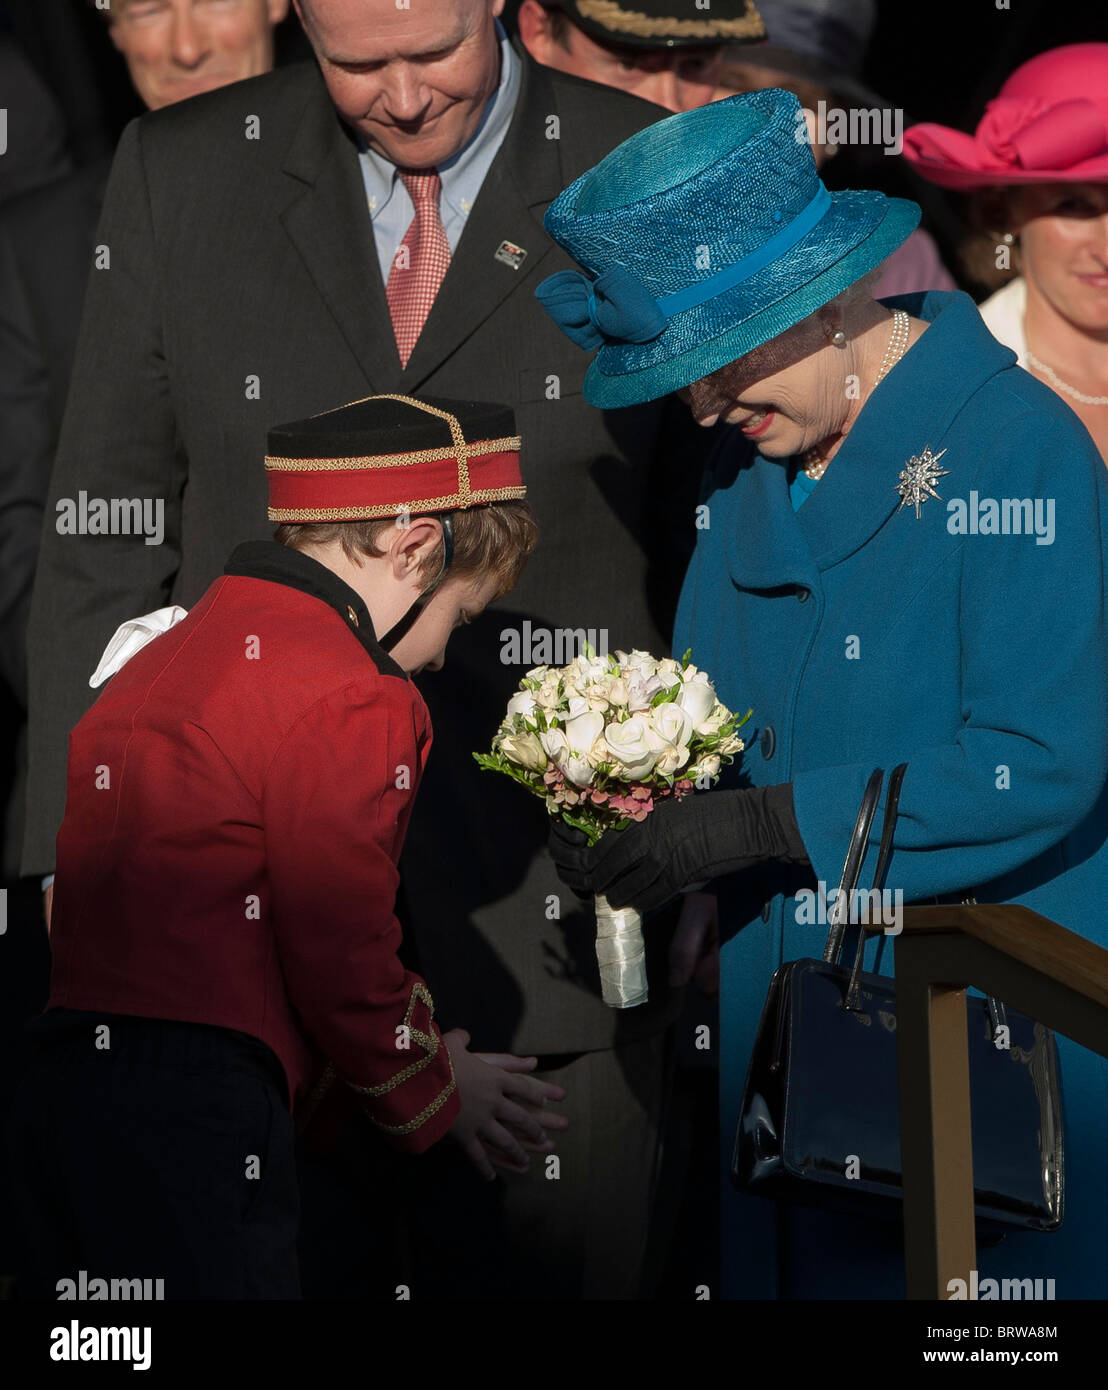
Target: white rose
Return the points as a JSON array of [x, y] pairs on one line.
[[554, 744], [523, 703], [583, 729], [548, 691], [636, 663], [708, 766], [579, 771], [600, 753], [732, 745], [715, 721], [697, 699], [569, 762], [669, 672], [537, 673], [593, 668], [617, 691], [671, 760], [524, 749], [633, 747], [672, 723]]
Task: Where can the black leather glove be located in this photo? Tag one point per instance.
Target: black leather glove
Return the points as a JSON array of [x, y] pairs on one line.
[[645, 863]]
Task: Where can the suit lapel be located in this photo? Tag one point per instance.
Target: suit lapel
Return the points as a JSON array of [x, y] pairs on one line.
[[525, 177], [328, 222]]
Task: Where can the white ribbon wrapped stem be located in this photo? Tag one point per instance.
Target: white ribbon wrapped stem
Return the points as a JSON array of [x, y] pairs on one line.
[[621, 954]]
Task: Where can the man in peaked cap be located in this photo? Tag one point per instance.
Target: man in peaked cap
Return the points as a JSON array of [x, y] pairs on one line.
[[666, 51], [224, 944]]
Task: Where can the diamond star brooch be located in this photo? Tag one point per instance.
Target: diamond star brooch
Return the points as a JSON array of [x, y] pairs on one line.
[[917, 478]]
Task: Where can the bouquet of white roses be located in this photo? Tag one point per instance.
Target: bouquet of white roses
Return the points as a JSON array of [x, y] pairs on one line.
[[603, 740]]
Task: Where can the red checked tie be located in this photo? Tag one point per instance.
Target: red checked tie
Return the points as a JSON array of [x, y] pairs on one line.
[[421, 261]]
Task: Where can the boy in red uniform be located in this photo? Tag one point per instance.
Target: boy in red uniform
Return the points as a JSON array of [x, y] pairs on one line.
[[224, 944]]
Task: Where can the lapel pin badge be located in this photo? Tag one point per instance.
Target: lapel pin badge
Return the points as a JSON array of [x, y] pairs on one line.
[[510, 254], [917, 479]]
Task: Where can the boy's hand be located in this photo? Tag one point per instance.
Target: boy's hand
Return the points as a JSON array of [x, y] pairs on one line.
[[503, 1115]]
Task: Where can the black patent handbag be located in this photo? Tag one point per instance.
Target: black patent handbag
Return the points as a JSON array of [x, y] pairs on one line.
[[819, 1122]]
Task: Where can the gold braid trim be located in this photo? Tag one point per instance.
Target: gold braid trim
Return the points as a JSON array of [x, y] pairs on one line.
[[615, 18], [424, 1115], [461, 449], [457, 502], [428, 1041], [278, 463]]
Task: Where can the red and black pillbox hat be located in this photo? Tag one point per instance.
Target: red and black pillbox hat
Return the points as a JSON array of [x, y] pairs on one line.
[[392, 455]]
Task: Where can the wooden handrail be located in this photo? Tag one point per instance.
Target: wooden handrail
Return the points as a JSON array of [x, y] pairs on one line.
[[1034, 966]]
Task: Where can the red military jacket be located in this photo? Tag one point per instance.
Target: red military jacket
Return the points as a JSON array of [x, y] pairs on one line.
[[237, 800]]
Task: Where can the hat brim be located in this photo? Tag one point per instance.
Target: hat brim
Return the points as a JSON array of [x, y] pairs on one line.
[[615, 380], [965, 180], [700, 32]]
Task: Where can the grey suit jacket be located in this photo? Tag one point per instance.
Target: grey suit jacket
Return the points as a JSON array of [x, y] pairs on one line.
[[244, 290]]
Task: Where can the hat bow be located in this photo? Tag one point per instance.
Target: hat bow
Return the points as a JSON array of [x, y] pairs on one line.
[[616, 307]]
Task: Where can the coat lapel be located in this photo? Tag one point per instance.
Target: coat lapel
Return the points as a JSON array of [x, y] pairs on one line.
[[328, 222], [772, 553], [858, 496], [525, 177]]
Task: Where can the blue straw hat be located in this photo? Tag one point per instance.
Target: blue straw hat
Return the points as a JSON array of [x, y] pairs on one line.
[[706, 235]]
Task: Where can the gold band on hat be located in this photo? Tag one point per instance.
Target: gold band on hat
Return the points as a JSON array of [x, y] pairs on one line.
[[614, 17], [481, 498], [466, 496], [279, 462]]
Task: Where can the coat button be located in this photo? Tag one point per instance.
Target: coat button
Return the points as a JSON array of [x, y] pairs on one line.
[[769, 741], [767, 910], [803, 594]]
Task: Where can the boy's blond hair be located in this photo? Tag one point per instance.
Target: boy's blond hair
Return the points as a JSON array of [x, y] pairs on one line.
[[492, 540]]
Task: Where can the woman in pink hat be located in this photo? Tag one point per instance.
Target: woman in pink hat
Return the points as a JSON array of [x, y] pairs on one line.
[[1038, 166]]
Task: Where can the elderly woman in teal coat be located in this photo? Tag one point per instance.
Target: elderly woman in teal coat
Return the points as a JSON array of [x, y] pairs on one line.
[[900, 558]]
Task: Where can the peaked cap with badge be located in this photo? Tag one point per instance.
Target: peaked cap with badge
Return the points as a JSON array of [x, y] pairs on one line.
[[666, 23]]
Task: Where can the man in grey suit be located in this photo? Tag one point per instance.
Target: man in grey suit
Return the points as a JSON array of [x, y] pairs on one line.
[[247, 240]]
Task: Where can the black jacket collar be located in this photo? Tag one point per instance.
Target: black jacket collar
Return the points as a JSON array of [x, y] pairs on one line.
[[279, 564]]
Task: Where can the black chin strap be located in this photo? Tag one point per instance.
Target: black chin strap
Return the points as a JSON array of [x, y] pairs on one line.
[[398, 630]]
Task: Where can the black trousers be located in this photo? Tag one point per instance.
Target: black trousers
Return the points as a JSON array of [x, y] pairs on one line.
[[147, 1149]]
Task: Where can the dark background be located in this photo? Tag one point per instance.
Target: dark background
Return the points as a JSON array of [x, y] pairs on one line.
[[939, 60]]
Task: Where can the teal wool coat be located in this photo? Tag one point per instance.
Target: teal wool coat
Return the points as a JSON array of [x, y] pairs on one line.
[[864, 637]]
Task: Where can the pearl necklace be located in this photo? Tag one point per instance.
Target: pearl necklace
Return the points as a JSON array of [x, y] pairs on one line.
[[1060, 385], [812, 465]]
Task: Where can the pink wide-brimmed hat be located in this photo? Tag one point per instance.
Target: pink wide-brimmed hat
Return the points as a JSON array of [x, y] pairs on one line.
[[1047, 124]]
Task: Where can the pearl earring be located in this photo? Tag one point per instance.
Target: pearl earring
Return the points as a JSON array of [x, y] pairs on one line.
[[838, 337]]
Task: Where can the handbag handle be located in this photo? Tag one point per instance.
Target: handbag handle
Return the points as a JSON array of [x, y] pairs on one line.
[[851, 870], [852, 866], [853, 998]]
